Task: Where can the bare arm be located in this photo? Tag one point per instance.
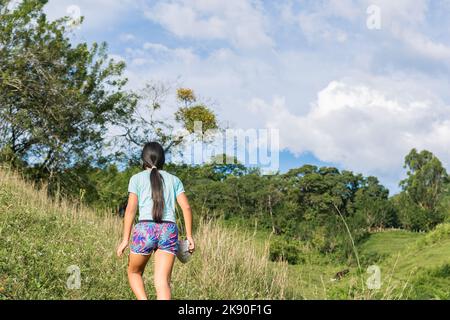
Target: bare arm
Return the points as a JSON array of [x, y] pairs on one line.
[[130, 214], [187, 215]]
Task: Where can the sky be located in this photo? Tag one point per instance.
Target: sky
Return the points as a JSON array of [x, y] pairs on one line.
[[354, 84]]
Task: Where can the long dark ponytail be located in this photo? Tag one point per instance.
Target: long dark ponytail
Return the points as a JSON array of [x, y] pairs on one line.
[[153, 158]]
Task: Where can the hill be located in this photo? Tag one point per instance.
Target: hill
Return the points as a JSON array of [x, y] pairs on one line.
[[420, 261], [44, 240]]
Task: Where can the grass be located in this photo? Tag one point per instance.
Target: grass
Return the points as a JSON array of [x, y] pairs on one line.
[[313, 278], [419, 261], [389, 242], [409, 250], [308, 280], [41, 238], [413, 266], [432, 284]]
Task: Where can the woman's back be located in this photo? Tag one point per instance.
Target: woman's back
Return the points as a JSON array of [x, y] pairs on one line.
[[140, 185]]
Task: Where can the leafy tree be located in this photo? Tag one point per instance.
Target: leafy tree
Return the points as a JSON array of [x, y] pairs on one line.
[[420, 202], [426, 178], [186, 96], [56, 99], [189, 115], [192, 112], [373, 206], [145, 124], [414, 217], [444, 204]]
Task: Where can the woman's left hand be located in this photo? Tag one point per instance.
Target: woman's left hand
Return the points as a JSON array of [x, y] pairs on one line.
[[121, 248]]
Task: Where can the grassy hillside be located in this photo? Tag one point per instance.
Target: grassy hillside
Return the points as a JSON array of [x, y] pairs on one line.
[[413, 266], [41, 239], [389, 242], [421, 262], [410, 252]]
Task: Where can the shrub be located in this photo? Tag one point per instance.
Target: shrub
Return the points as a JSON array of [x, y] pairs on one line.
[[415, 218], [287, 250]]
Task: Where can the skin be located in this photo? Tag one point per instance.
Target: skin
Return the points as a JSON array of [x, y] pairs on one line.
[[163, 260]]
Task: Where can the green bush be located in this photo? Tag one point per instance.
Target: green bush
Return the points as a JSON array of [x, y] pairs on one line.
[[415, 218], [287, 250]]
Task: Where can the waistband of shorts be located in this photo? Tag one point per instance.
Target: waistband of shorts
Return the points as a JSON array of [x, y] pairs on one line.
[[162, 221]]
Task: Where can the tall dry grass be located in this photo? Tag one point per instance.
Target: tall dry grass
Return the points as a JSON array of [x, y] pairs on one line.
[[228, 264]]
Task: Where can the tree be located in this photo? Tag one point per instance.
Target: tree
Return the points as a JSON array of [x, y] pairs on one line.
[[193, 112], [412, 216], [56, 99], [145, 124], [423, 189], [426, 179], [373, 206], [186, 96]]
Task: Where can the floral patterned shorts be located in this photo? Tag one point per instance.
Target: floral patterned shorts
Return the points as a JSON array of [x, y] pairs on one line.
[[148, 236]]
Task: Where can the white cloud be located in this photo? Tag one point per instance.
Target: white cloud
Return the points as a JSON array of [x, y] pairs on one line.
[[315, 28], [241, 22], [405, 12], [422, 44], [232, 79], [98, 14], [315, 19], [127, 37], [155, 46], [364, 128], [406, 21], [402, 20]]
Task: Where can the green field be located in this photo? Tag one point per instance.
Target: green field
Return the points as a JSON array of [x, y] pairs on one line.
[[410, 251], [389, 242], [41, 239], [404, 259]]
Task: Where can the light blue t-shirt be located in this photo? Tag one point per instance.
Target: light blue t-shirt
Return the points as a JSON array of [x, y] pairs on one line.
[[140, 185]]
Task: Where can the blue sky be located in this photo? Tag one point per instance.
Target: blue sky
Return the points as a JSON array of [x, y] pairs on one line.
[[339, 91]]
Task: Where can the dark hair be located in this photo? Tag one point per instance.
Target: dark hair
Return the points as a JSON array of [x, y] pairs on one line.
[[153, 157]]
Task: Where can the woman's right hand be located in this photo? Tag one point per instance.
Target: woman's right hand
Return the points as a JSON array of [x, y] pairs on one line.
[[121, 248], [191, 244]]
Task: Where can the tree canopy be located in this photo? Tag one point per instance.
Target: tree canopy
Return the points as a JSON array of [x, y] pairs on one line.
[[57, 99]]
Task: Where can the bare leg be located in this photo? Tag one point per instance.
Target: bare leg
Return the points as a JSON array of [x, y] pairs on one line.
[[163, 271], [136, 267]]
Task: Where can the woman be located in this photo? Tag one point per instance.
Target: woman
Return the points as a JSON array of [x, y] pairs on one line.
[[155, 191]]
